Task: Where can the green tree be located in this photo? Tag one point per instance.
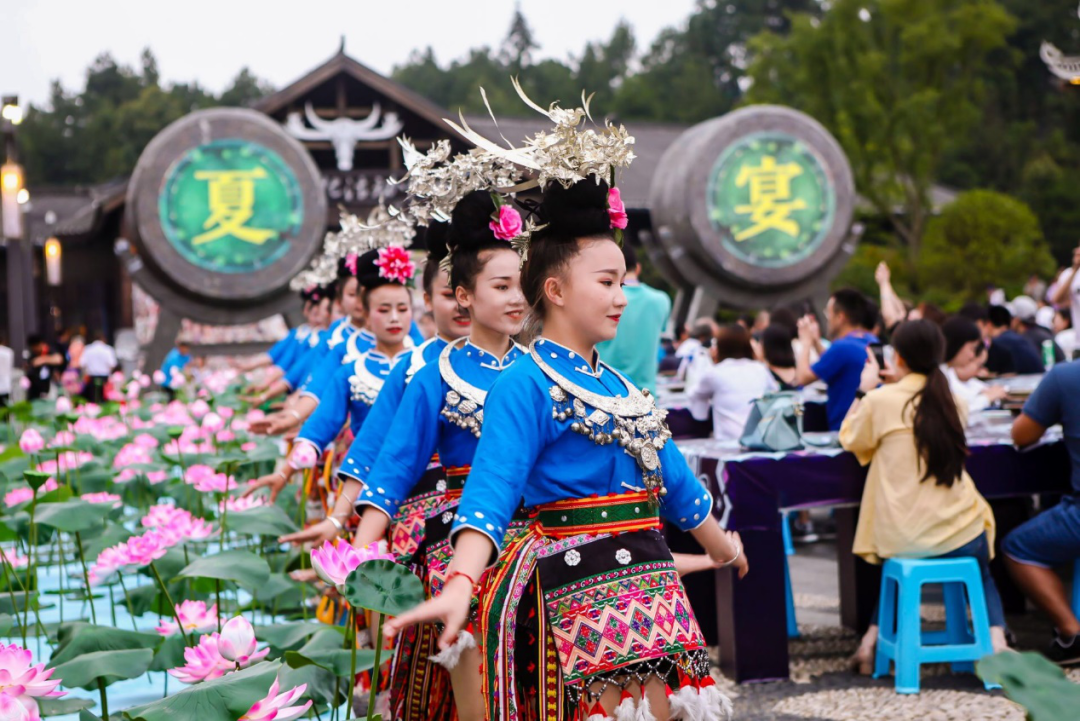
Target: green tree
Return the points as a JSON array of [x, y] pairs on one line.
[[982, 238], [896, 81], [97, 134]]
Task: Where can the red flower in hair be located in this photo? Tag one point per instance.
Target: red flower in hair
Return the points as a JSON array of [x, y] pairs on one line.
[[508, 225], [350, 262], [616, 209], [394, 264]]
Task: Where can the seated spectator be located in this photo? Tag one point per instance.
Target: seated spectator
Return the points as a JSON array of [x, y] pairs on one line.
[[695, 353], [1025, 313], [779, 356], [731, 385], [965, 356], [1009, 352], [1052, 538], [1064, 333], [918, 501], [849, 314]]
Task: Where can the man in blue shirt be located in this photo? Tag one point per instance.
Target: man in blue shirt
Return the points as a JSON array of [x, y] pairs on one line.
[[850, 315], [1052, 538], [175, 362], [635, 349], [1009, 351]]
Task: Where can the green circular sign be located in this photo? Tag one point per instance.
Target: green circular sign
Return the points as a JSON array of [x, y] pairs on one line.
[[769, 198], [231, 206]]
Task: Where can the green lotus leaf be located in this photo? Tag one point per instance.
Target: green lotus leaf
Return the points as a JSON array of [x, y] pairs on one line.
[[36, 479], [61, 706], [1033, 682], [261, 521], [324, 650], [223, 699], [109, 666], [384, 586], [79, 638], [72, 516], [286, 635], [244, 567]]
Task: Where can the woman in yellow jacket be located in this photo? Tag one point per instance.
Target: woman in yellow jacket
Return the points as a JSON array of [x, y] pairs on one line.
[[918, 502]]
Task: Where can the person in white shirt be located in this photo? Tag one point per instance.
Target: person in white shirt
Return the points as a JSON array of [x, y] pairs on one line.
[[98, 363], [965, 354], [7, 368], [1067, 289], [731, 385], [1064, 333]]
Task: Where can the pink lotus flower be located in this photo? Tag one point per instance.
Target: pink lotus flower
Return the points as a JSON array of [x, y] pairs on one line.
[[21, 682], [102, 497], [275, 707], [249, 446], [197, 474], [156, 477], [304, 456], [226, 412], [225, 436], [334, 563], [616, 209], [194, 616], [12, 710], [131, 454], [239, 505], [237, 642], [212, 423], [22, 494], [24, 383], [508, 225], [395, 264], [255, 414], [14, 559], [204, 662], [108, 562], [199, 409], [161, 515], [143, 380], [31, 441], [145, 440], [69, 461], [62, 438], [63, 404], [145, 549], [217, 483], [90, 410], [159, 377]]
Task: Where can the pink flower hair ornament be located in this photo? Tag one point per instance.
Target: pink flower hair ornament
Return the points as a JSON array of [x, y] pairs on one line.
[[395, 264], [507, 224], [616, 209]]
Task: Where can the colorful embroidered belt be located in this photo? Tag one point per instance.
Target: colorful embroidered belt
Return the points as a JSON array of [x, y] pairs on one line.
[[455, 481], [616, 513]]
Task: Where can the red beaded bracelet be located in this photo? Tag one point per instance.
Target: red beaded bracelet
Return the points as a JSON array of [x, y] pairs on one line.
[[455, 574]]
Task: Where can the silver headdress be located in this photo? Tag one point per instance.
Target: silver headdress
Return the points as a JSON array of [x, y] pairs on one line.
[[381, 230], [570, 152]]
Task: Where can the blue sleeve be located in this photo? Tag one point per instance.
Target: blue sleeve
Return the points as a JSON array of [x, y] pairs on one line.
[[326, 422], [278, 349], [364, 450], [1044, 405], [415, 334], [513, 436], [687, 503], [830, 364], [410, 441], [299, 371], [321, 373]]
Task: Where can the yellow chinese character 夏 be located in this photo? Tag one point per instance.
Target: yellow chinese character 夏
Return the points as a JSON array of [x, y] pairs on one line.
[[770, 205], [232, 203]]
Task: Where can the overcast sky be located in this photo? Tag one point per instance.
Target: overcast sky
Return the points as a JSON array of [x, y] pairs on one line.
[[211, 40]]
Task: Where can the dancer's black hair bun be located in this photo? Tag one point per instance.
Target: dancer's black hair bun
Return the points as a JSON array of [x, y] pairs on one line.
[[435, 241], [470, 223], [316, 293], [367, 273], [578, 211]]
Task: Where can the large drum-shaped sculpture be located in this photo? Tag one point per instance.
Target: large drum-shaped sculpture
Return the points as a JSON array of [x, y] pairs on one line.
[[755, 206], [224, 209]]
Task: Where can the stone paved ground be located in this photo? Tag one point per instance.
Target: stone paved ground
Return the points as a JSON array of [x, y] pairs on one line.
[[823, 689]]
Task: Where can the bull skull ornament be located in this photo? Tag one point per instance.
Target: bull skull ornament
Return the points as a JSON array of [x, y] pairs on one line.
[[344, 133]]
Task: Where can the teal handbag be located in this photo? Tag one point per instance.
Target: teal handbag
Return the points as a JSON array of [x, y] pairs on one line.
[[775, 423]]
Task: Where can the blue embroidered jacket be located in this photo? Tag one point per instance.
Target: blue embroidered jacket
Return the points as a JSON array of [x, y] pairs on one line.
[[350, 395], [435, 415], [297, 353], [527, 453], [365, 448], [347, 345], [286, 344]]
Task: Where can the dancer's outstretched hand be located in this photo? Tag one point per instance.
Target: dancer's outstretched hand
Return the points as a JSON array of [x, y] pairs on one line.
[[450, 608]]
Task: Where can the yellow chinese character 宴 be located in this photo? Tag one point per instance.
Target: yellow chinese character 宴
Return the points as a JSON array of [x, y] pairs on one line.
[[770, 205], [232, 203]]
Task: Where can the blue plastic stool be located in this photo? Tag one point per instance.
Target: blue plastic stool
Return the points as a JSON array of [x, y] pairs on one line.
[[1076, 588], [901, 638], [789, 550]]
